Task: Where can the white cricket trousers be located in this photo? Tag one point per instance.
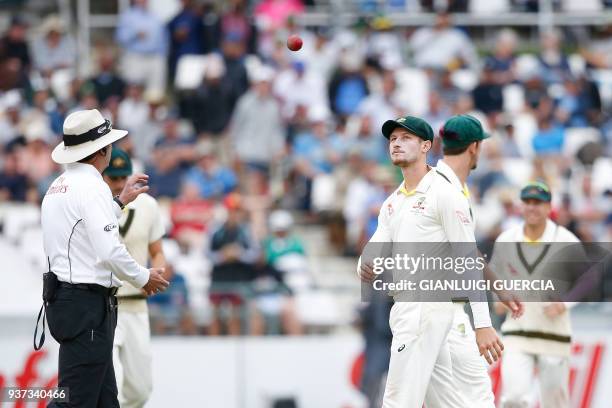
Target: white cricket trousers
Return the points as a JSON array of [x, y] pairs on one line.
[[132, 359], [470, 369], [420, 351], [518, 376]]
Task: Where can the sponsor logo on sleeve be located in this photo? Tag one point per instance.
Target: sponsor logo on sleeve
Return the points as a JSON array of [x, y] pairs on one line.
[[110, 227], [462, 217]]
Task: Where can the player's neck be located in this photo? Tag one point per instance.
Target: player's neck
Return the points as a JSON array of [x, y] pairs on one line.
[[460, 166], [413, 174], [534, 232]]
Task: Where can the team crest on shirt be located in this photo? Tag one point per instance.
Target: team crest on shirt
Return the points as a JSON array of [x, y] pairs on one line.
[[462, 217], [419, 206]]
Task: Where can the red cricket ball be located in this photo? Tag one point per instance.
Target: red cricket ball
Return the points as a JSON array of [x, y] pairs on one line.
[[294, 42]]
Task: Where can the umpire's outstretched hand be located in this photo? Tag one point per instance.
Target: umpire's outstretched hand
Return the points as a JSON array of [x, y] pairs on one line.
[[156, 282]]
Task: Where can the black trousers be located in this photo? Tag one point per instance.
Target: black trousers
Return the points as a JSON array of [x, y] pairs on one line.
[[83, 322]]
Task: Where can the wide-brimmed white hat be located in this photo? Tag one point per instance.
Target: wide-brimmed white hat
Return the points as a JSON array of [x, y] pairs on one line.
[[85, 132]]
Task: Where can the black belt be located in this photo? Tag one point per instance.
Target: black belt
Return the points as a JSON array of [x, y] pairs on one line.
[[103, 290]]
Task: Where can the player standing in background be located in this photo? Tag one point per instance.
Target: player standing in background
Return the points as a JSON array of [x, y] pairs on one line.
[[424, 209], [541, 337], [141, 230]]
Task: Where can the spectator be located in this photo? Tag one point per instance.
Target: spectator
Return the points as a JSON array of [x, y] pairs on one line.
[[380, 106], [488, 95], [55, 49], [11, 121], [210, 109], [212, 179], [171, 159], [368, 141], [107, 83], [443, 84], [298, 86], [506, 133], [442, 47], [144, 40], [13, 182], [548, 139], [321, 57], [35, 158], [237, 22], [190, 215], [45, 108], [14, 56], [554, 65], [256, 131], [363, 200], [283, 249], [502, 62], [580, 105], [273, 14], [233, 253], [348, 86], [233, 51], [170, 309], [134, 111], [185, 31]]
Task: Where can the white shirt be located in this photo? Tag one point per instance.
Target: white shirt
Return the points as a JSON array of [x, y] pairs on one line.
[[139, 225], [436, 211], [438, 49], [507, 264], [80, 233]]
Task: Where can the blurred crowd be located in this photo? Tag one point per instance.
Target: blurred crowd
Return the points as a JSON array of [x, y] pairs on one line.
[[242, 138]]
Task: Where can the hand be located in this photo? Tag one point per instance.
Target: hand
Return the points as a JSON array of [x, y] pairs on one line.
[[489, 344], [513, 303], [366, 272], [156, 282], [135, 185], [554, 309]]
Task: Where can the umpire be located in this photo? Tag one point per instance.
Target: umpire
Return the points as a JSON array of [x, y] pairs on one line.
[[87, 261]]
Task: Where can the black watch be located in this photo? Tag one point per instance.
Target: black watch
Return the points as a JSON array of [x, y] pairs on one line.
[[118, 201]]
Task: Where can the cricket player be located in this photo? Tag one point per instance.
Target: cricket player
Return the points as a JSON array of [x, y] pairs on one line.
[[540, 339], [461, 140], [429, 206], [141, 230]]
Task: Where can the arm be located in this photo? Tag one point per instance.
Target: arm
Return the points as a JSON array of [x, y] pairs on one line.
[[458, 225], [102, 230], [158, 259], [381, 235]]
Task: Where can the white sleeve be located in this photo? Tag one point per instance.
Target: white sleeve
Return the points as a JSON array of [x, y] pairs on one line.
[[102, 229], [457, 222], [382, 233]]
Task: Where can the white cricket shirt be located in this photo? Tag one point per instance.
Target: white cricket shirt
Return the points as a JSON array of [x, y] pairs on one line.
[[535, 332], [80, 232], [140, 225], [437, 210]]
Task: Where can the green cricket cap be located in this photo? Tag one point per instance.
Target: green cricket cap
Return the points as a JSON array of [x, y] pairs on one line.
[[461, 130], [536, 190], [414, 125], [120, 164]]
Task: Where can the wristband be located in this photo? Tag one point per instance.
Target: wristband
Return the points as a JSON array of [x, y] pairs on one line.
[[118, 201]]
